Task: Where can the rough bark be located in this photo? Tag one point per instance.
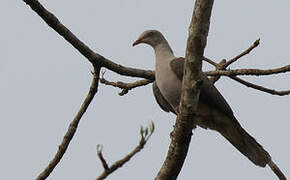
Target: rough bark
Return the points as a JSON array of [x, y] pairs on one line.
[[182, 132]]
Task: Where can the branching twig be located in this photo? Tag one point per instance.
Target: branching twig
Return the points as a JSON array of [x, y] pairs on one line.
[[145, 135], [126, 87], [261, 88], [222, 64], [72, 127]]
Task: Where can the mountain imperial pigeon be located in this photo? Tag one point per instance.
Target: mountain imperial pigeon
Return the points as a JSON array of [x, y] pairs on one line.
[[213, 110]]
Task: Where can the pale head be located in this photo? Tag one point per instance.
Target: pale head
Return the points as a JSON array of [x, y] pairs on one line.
[[150, 37]]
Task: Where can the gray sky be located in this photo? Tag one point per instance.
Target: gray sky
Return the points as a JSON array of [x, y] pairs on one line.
[[44, 80]]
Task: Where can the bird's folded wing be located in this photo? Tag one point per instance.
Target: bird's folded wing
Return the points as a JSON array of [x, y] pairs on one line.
[[208, 92], [162, 102]]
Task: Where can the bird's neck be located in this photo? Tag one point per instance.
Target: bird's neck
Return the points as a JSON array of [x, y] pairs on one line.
[[163, 56], [163, 52]]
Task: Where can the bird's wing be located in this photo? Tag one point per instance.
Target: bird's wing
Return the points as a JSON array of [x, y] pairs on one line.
[[208, 92], [162, 102]]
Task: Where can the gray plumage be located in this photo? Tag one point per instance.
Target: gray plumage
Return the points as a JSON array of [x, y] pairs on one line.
[[213, 110]]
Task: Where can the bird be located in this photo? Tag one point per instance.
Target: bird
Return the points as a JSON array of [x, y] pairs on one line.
[[213, 110]]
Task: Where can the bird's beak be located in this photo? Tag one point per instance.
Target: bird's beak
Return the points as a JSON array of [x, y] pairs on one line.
[[138, 41]]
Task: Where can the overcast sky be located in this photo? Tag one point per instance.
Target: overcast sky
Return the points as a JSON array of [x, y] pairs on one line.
[[43, 81]]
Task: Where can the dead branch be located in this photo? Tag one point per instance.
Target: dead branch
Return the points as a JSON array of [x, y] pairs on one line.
[[145, 135], [72, 127]]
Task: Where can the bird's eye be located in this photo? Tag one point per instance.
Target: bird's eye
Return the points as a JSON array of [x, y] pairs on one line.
[[150, 34]]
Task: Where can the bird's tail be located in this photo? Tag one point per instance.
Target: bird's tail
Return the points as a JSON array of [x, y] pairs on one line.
[[245, 143], [248, 146]]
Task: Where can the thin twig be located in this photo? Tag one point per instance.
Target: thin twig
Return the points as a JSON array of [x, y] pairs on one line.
[[261, 88], [101, 157], [224, 64], [256, 72], [72, 127], [246, 83], [126, 87], [247, 51], [210, 61], [145, 135]]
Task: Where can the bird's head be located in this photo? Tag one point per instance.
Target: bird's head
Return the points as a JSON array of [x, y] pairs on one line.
[[150, 37]]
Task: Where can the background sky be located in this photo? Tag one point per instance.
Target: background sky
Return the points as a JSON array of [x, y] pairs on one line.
[[43, 81]]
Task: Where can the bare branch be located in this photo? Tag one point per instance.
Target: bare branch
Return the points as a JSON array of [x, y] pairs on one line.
[[145, 135], [261, 88], [222, 64], [219, 66], [182, 132], [72, 127], [247, 51], [126, 87], [93, 57], [210, 61], [256, 72]]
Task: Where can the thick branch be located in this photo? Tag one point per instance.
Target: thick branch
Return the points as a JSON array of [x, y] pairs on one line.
[[93, 57], [72, 127], [182, 132]]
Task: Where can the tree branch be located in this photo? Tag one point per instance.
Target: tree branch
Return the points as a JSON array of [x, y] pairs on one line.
[[72, 127], [145, 135], [247, 51], [256, 72], [224, 64], [126, 87], [261, 88], [210, 61], [93, 57], [182, 132]]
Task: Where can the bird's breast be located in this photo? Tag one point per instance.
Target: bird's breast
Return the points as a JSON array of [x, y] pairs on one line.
[[169, 85]]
